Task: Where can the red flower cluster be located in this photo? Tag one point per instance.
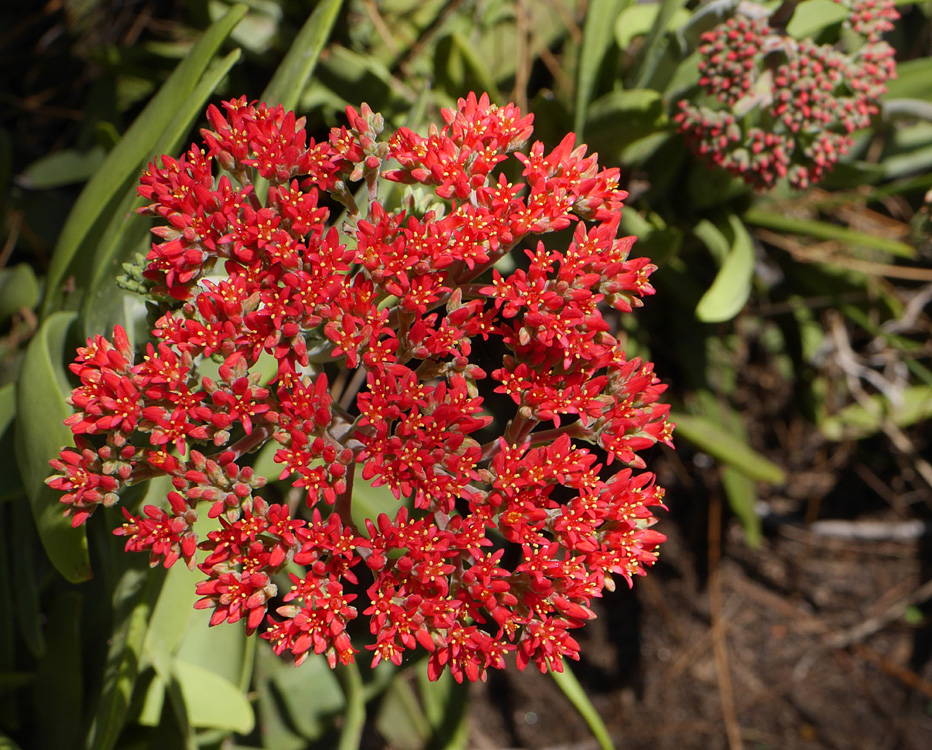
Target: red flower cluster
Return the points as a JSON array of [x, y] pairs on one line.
[[381, 347], [786, 108]]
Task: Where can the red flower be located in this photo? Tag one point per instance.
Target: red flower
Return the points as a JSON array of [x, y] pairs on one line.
[[368, 358]]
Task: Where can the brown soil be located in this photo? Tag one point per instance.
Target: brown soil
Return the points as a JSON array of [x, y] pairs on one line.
[[814, 631]]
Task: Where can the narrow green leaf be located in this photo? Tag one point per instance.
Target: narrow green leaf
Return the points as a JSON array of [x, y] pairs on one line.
[[11, 682], [732, 286], [18, 289], [126, 158], [475, 64], [9, 706], [7, 744], [620, 118], [597, 40], [861, 420], [59, 687], [725, 447], [638, 20], [822, 230], [667, 20], [571, 688], [125, 232], [26, 592], [298, 64], [12, 485], [133, 600], [40, 434], [741, 493]]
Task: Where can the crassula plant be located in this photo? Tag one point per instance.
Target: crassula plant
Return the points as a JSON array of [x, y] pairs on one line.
[[777, 107], [396, 347]]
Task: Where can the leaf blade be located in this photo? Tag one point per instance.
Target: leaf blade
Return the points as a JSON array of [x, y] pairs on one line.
[[598, 35], [130, 152], [574, 692], [296, 68], [122, 234], [40, 433], [726, 448], [732, 285]]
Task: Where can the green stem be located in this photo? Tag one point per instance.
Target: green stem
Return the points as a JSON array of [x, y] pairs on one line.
[[354, 718]]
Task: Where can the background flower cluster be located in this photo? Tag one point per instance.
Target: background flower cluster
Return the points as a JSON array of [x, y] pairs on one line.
[[786, 108]]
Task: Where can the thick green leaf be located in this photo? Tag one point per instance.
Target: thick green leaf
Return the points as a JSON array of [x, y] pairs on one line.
[[62, 168], [861, 420], [182, 648], [124, 233], [597, 41], [571, 688], [18, 289], [167, 683], [296, 68], [223, 649], [812, 16], [173, 610], [40, 434], [732, 286], [725, 447], [59, 687], [714, 240], [445, 704], [307, 698], [913, 80], [211, 700], [134, 599], [401, 720], [369, 502], [126, 158], [7, 744]]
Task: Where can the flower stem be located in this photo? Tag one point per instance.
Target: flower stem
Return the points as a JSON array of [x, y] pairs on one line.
[[354, 717]]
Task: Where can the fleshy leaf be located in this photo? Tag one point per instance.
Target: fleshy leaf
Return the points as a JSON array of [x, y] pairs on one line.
[[40, 434]]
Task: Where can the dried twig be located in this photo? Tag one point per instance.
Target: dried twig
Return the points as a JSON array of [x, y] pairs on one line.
[[903, 674], [875, 624]]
